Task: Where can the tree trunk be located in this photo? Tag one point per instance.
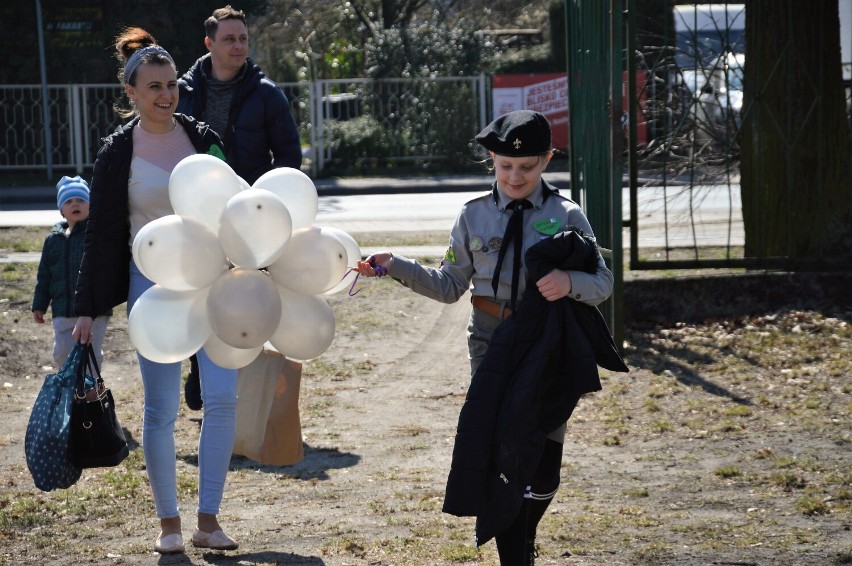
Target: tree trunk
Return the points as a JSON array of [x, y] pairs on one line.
[[796, 158]]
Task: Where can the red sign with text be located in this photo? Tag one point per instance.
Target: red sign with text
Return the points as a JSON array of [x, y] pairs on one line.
[[548, 93], [542, 92]]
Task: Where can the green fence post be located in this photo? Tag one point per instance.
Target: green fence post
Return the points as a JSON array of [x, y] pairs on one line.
[[594, 31]]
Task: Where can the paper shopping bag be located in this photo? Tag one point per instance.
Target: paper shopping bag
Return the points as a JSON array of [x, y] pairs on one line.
[[268, 427]]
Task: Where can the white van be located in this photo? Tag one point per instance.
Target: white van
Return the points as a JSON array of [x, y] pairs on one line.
[[703, 32]]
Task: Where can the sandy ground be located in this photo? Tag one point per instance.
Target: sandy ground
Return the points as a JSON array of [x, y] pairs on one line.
[[678, 462]]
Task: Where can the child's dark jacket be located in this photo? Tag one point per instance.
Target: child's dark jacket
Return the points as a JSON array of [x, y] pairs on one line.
[[58, 269]]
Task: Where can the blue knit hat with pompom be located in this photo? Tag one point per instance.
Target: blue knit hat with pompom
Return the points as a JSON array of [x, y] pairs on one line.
[[70, 187]]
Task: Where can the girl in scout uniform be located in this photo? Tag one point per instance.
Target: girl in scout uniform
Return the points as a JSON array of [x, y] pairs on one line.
[[488, 241]]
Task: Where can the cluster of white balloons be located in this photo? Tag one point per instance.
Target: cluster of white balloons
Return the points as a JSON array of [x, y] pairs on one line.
[[238, 267]]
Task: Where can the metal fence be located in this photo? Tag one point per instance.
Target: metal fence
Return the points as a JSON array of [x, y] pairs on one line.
[[417, 119], [687, 119], [409, 119]]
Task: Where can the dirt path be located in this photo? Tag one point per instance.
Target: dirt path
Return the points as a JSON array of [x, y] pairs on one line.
[[727, 443]]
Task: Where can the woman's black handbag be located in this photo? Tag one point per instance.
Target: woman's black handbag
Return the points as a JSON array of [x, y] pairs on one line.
[[97, 439]]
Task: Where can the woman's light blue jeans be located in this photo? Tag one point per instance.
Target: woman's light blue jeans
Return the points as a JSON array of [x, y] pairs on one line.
[[162, 385]]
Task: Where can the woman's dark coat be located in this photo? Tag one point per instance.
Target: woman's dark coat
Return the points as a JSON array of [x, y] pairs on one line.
[[539, 362], [104, 279]]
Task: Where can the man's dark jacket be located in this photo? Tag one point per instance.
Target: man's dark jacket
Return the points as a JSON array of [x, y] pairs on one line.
[[539, 362], [104, 279], [259, 120]]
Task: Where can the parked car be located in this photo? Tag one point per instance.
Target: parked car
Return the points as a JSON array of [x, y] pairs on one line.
[[726, 76], [715, 92]]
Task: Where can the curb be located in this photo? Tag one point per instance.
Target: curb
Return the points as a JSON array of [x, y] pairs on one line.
[[43, 197], [46, 195]]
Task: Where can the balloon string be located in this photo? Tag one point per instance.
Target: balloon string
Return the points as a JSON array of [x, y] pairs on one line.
[[381, 271], [352, 291]]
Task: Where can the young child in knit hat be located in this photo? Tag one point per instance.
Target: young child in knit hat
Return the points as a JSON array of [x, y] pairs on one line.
[[57, 271]]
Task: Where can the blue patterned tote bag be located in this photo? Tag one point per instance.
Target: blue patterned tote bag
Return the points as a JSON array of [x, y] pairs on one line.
[[48, 439]]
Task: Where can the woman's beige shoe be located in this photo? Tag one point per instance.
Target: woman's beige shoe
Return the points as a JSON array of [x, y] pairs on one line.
[[169, 544], [217, 540]]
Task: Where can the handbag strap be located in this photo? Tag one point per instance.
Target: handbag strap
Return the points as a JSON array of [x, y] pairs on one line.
[[88, 366]]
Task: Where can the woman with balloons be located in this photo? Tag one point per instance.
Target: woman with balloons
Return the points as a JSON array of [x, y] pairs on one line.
[[129, 189]]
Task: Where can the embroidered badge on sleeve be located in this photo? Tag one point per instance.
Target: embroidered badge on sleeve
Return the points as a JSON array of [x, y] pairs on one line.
[[450, 256]]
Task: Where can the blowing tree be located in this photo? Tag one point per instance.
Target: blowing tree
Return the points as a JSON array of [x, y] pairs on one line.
[[796, 157]]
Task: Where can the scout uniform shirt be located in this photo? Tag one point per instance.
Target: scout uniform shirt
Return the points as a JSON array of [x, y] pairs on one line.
[[475, 242]]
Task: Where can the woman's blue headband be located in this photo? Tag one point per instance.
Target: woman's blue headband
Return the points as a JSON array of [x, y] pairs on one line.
[[136, 60]]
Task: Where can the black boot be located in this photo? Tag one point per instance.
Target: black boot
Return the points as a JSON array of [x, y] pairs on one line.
[[192, 387], [512, 543], [532, 553]]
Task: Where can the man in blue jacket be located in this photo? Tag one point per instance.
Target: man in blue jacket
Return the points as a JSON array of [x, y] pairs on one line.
[[228, 91], [251, 114]]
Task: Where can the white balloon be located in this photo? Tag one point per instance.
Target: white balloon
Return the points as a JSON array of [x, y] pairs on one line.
[[244, 308], [296, 190], [255, 228], [313, 262], [200, 186], [307, 326], [178, 253], [243, 183], [134, 251], [227, 356], [353, 255], [168, 326]]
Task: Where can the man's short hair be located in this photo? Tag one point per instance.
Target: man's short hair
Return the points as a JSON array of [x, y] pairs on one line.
[[211, 24]]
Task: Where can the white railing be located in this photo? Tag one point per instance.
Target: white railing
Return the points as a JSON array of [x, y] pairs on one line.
[[413, 110]]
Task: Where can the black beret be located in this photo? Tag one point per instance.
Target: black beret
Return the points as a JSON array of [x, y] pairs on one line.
[[517, 134]]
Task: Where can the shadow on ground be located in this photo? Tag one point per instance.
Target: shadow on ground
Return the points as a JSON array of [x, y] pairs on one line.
[[696, 299]]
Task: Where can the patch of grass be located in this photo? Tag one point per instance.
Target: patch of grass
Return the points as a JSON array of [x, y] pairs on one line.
[[653, 552], [390, 474], [411, 430], [17, 282], [351, 546], [788, 480], [323, 392], [728, 472], [23, 513], [737, 411], [459, 553], [728, 426], [636, 492], [658, 392], [611, 441], [392, 240], [23, 239], [97, 497], [811, 505], [320, 408]]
